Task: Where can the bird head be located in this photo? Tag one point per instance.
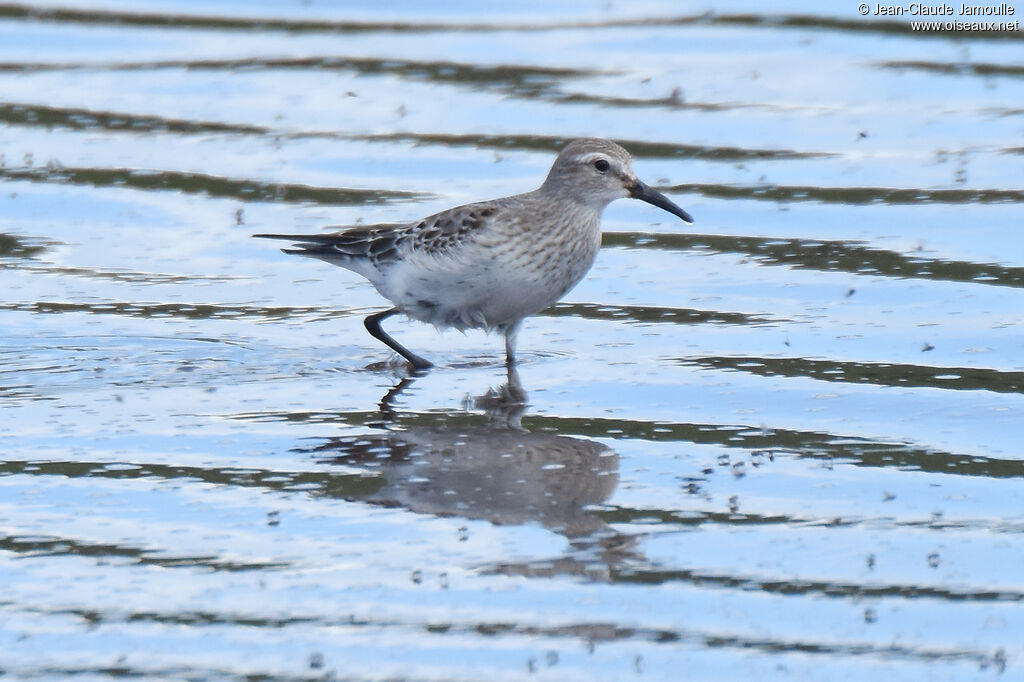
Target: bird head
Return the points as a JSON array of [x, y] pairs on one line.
[[596, 172]]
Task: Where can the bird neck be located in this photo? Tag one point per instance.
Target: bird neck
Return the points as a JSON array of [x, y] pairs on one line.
[[570, 198]]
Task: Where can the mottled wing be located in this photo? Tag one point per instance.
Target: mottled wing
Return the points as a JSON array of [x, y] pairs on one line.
[[446, 231], [437, 235]]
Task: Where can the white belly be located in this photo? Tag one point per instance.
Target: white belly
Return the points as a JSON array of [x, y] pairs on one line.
[[482, 289]]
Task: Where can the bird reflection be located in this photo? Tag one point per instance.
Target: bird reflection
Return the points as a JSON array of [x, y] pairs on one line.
[[495, 471]]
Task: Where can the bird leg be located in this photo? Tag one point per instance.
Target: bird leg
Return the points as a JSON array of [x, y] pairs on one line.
[[372, 324], [511, 332]]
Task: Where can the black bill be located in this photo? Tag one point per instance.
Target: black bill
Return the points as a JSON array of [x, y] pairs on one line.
[[652, 196]]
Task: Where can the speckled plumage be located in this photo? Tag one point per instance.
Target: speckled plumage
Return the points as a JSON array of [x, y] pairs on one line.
[[490, 264]]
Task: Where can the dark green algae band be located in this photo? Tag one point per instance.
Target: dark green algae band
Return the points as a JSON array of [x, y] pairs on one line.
[[775, 21], [207, 185], [70, 118], [895, 375], [853, 257]]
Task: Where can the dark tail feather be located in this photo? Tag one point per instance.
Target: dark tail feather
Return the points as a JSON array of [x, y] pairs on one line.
[[301, 238], [313, 245], [376, 242]]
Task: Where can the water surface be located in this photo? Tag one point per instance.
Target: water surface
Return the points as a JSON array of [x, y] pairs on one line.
[[781, 444]]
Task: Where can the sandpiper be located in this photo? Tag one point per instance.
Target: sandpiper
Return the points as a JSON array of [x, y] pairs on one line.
[[489, 265]]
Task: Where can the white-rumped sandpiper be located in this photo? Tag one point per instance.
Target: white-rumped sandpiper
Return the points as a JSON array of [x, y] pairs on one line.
[[489, 265]]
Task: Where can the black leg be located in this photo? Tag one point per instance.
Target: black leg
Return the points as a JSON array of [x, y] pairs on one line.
[[372, 324], [511, 333]]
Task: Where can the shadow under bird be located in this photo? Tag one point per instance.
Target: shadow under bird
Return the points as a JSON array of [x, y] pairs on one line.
[[490, 264]]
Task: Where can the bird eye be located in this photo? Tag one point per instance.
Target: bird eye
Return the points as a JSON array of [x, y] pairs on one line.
[[601, 165]]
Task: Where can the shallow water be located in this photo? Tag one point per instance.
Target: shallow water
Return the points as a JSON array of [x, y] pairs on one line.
[[781, 444]]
